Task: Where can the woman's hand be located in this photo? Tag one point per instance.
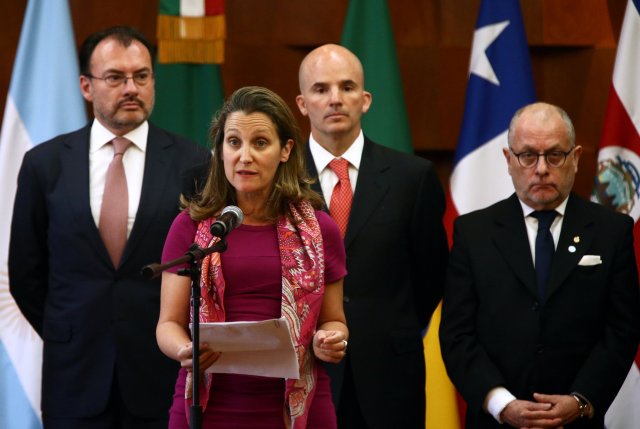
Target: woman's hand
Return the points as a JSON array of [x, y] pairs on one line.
[[207, 356], [330, 346]]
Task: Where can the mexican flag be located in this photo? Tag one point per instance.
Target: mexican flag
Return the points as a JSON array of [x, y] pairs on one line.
[[189, 90], [367, 32]]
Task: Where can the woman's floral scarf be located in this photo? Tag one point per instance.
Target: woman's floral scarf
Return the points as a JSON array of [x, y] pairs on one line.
[[302, 258]]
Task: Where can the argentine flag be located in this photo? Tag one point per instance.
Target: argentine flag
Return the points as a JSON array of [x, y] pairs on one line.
[[44, 100], [500, 82]]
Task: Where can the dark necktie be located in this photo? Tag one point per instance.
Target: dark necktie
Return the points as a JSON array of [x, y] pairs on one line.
[[342, 194], [544, 249], [115, 204]]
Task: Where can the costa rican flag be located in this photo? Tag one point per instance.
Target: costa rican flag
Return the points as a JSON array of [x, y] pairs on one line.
[[618, 177]]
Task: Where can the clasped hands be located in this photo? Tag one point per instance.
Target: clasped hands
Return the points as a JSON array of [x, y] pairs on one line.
[[329, 346], [547, 412]]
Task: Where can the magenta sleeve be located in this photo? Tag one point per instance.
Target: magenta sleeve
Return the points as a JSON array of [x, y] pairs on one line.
[[179, 239], [335, 259]]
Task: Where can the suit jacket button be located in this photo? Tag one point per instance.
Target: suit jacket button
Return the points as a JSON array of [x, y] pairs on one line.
[[346, 299], [539, 348], [535, 306]]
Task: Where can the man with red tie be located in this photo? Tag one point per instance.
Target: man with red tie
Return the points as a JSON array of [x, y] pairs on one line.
[[389, 207]]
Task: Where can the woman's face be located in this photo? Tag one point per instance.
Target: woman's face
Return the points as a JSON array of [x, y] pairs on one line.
[[251, 153]]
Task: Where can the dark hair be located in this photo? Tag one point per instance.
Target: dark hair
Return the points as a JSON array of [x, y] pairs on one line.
[[122, 33], [291, 182]]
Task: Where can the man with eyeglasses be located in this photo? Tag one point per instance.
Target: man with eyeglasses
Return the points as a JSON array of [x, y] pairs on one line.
[[92, 207], [541, 313]]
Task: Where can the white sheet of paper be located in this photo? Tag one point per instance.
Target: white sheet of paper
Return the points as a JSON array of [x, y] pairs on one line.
[[254, 348]]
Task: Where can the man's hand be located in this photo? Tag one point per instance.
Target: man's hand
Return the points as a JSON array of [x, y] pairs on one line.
[[548, 411], [530, 415]]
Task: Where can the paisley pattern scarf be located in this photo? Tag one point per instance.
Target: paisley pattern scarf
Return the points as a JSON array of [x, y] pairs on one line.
[[302, 258]]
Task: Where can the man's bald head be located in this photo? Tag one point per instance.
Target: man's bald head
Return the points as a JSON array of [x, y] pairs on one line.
[[330, 53]]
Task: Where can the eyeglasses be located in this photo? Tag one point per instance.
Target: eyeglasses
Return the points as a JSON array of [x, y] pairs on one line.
[[554, 158], [114, 80]]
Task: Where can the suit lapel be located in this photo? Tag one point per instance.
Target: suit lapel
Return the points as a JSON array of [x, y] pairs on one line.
[[370, 189], [154, 185], [74, 160], [575, 238], [513, 243], [313, 172]]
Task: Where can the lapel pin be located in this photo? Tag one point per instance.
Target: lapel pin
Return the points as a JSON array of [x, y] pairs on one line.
[[572, 249], [576, 239]]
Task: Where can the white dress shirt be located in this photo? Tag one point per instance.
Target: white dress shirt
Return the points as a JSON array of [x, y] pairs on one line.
[[100, 156], [326, 176], [499, 397]]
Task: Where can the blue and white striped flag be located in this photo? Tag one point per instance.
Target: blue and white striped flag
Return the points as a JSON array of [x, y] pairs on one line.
[[44, 100]]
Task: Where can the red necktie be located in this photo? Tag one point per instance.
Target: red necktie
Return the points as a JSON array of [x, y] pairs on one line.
[[114, 213], [342, 195]]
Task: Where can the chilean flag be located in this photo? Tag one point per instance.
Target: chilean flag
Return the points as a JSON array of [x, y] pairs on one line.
[[617, 181], [500, 82]]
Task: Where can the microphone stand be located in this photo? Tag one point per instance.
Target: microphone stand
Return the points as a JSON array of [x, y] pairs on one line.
[[194, 256]]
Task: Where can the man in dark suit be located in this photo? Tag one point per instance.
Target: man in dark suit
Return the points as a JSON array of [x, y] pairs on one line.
[[541, 320], [96, 315], [395, 242]]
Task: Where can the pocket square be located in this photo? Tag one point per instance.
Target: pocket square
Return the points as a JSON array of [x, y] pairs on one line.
[[588, 260]]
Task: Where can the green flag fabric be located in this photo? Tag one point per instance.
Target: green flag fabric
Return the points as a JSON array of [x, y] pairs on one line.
[[367, 33], [187, 97], [187, 75]]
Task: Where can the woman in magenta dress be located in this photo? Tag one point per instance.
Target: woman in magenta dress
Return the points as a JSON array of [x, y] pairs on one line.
[[287, 260]]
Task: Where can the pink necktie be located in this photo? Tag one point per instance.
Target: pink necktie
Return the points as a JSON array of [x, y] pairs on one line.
[[115, 204], [342, 195]]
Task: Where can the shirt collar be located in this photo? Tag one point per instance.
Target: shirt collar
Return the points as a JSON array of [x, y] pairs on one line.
[[100, 136], [560, 209], [323, 157]]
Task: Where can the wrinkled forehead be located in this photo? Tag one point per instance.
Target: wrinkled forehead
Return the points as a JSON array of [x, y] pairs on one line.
[[112, 53], [540, 131]]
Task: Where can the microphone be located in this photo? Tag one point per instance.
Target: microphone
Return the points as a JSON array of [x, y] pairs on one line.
[[229, 219]]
